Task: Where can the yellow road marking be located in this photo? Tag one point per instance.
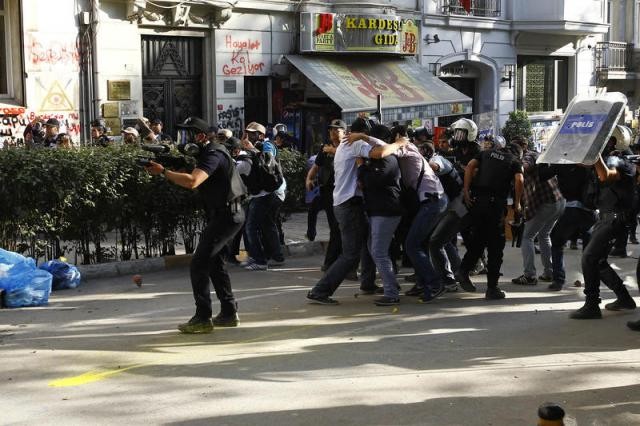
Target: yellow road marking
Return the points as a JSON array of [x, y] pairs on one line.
[[96, 376], [90, 377]]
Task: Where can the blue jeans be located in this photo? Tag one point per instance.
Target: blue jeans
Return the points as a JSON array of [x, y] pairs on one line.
[[261, 230], [382, 230], [353, 229], [421, 228], [541, 225]]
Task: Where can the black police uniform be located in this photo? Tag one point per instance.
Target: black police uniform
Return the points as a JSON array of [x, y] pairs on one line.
[[208, 258], [578, 186], [490, 189], [614, 203], [326, 183]]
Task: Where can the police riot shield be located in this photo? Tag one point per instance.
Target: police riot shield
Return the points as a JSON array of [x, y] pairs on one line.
[[585, 129]]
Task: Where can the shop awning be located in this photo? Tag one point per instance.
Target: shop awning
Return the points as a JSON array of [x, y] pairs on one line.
[[408, 90]]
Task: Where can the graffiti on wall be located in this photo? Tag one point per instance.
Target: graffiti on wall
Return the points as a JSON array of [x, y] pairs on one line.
[[231, 118], [46, 53], [13, 121], [246, 56]]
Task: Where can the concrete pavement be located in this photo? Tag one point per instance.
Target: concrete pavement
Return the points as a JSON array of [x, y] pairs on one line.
[[109, 353]]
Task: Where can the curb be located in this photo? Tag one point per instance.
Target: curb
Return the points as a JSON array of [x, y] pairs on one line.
[[155, 264]]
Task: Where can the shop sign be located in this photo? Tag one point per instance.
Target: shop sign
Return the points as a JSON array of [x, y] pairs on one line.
[[341, 32]]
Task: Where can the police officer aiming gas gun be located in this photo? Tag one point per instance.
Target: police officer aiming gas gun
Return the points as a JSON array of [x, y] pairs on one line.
[[216, 179]]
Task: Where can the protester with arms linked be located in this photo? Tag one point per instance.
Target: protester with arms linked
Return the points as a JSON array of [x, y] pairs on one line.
[[213, 177], [349, 211], [380, 181]]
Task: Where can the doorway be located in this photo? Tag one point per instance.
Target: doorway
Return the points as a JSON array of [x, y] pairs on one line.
[[172, 70]]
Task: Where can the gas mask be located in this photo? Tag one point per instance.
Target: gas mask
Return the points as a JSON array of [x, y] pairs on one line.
[[188, 143]]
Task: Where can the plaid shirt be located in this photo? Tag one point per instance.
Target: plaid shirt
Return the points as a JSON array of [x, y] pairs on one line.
[[536, 191]]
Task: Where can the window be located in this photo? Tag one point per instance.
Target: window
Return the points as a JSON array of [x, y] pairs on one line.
[[487, 8], [4, 50], [542, 83]]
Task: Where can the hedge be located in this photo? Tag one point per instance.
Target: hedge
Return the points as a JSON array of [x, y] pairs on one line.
[[54, 202]]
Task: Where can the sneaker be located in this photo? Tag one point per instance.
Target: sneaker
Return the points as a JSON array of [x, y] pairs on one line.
[[545, 278], [387, 301], [494, 293], [416, 290], [555, 286], [226, 321], [633, 240], [256, 267], [465, 282], [634, 325], [196, 325], [275, 262], [372, 291], [433, 294], [522, 280], [588, 311], [321, 300], [621, 304]]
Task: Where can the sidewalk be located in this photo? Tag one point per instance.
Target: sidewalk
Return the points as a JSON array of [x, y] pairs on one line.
[[296, 245]]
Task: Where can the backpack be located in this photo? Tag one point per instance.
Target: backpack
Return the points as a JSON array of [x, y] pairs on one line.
[[266, 173], [237, 189]]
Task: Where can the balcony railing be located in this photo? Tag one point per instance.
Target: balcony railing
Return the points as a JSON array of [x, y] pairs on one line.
[[613, 56], [488, 8]]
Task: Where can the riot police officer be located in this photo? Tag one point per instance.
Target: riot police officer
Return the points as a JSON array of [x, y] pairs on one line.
[[213, 176], [487, 184], [615, 176]]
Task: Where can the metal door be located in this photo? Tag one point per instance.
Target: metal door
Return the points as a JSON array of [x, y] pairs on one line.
[[172, 69]]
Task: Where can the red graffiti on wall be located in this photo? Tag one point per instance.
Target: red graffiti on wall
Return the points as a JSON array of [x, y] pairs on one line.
[[53, 52], [241, 62], [373, 84]]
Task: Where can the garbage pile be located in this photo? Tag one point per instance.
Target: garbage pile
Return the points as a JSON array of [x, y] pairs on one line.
[[22, 283]]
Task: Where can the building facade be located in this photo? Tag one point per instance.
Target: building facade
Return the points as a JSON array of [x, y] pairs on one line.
[[227, 60]]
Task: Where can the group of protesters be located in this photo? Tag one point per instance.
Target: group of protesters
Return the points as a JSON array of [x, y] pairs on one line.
[[392, 196]]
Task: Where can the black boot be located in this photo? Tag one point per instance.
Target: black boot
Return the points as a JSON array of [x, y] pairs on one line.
[[624, 301], [590, 310], [494, 293]]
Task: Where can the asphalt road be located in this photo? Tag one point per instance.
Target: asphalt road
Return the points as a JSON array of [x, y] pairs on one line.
[[109, 353]]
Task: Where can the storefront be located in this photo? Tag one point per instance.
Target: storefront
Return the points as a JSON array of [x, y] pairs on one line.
[[352, 65]]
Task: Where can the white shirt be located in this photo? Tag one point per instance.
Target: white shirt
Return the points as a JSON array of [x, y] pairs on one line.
[[345, 167]]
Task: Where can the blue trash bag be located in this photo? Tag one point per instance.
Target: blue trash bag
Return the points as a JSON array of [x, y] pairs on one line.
[[23, 283], [64, 274]]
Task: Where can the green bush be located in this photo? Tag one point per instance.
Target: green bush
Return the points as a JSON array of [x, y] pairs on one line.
[[518, 124], [294, 168], [78, 196], [53, 197]]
